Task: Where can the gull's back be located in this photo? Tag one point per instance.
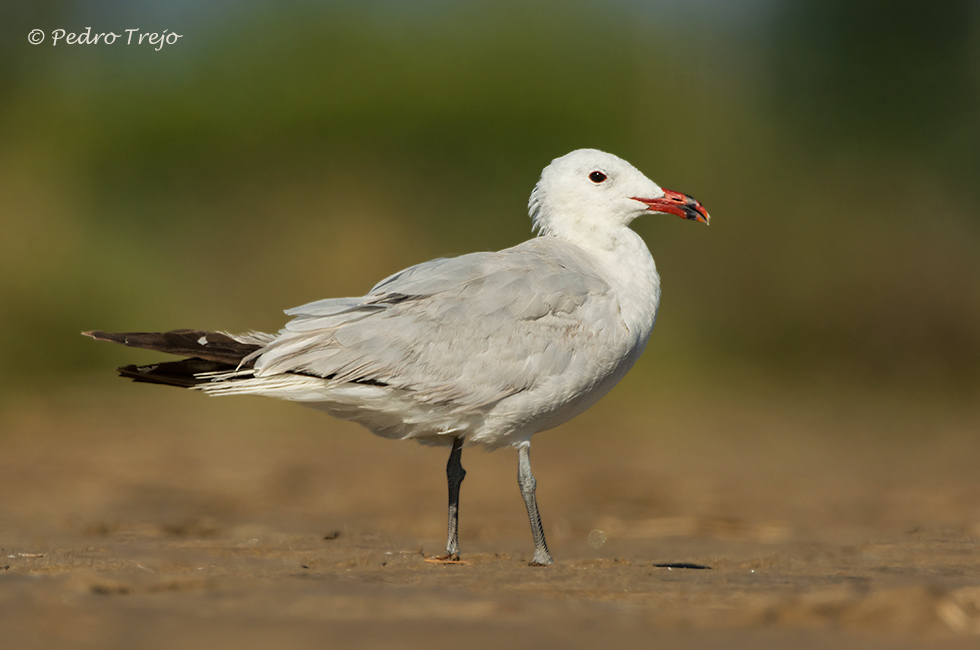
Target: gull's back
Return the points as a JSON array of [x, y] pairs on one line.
[[488, 346]]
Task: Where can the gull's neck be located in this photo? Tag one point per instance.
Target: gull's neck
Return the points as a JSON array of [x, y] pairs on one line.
[[623, 260]]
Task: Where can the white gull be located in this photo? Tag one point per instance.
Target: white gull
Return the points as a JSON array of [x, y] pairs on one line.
[[485, 348]]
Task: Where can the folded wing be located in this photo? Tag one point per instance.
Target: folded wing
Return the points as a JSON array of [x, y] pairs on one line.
[[470, 330]]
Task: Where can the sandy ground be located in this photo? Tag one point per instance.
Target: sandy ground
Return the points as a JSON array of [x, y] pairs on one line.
[[144, 517]]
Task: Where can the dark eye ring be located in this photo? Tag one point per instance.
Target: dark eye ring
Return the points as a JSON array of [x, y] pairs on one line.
[[597, 177]]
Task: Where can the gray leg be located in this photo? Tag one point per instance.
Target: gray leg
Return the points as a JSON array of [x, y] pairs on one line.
[[455, 473], [526, 480]]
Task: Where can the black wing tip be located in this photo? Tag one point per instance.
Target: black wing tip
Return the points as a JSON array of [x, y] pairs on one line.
[[213, 346], [182, 374], [99, 335]]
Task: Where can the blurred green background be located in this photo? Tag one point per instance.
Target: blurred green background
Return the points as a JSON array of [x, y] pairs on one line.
[[283, 153]]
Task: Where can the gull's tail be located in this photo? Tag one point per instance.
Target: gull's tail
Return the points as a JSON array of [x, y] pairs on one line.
[[206, 352]]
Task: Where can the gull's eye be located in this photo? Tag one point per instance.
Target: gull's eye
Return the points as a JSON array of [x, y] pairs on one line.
[[597, 177]]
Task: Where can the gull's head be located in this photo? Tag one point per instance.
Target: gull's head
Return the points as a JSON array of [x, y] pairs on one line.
[[593, 191]]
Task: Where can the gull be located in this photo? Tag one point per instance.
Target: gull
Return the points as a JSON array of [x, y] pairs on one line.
[[487, 348]]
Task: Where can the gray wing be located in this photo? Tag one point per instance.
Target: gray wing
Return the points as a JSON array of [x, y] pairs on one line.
[[470, 330]]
